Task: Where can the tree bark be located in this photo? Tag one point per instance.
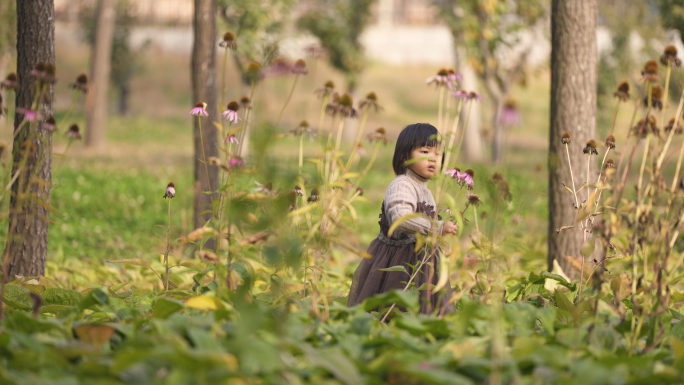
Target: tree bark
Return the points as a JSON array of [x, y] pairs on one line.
[[573, 109], [96, 114], [28, 225], [472, 142], [204, 90]]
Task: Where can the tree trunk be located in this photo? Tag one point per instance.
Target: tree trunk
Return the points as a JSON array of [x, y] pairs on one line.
[[472, 142], [573, 109], [204, 90], [96, 114], [28, 213]]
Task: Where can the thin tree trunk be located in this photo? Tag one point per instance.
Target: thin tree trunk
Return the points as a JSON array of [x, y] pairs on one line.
[[28, 227], [472, 142], [573, 109], [204, 90], [96, 114]]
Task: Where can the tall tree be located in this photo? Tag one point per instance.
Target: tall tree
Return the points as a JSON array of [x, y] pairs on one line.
[[574, 66], [204, 90], [29, 214], [96, 114]]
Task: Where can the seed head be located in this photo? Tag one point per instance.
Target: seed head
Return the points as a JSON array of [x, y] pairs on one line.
[[10, 82], [565, 138], [314, 195], [378, 135], [326, 90], [656, 97], [229, 41], [38, 70], [473, 199], [678, 129], [50, 124], [245, 102], [301, 128], [371, 100], [233, 106], [359, 191], [646, 126], [591, 148], [670, 55], [300, 67], [650, 71], [253, 72], [343, 105], [170, 191], [497, 177], [610, 163], [50, 73], [73, 132], [505, 190], [470, 172], [622, 91], [610, 141]]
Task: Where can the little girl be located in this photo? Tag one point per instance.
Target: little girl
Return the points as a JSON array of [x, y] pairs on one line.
[[407, 193]]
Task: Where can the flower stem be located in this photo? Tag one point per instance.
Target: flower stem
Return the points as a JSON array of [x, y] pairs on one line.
[[357, 141], [223, 77], [368, 167], [321, 119], [439, 110], [338, 141], [71, 106], [669, 140], [168, 247], [301, 153], [245, 126], [206, 167], [287, 101], [574, 190], [612, 125]]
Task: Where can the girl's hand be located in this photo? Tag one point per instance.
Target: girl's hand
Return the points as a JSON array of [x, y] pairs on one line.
[[449, 228]]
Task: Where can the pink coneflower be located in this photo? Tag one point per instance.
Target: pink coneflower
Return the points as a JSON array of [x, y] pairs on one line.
[[468, 176], [170, 191], [314, 196], [200, 109], [230, 139], [656, 97], [453, 78], [300, 68], [73, 132], [453, 173], [590, 148], [473, 199], [228, 41], [10, 82], [265, 188], [670, 55], [460, 94], [474, 96], [622, 91], [441, 79], [298, 190], [343, 105], [28, 113], [81, 83], [49, 124], [236, 162], [231, 112], [509, 114], [50, 73]]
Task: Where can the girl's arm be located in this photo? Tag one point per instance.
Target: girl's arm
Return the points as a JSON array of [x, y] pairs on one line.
[[400, 200]]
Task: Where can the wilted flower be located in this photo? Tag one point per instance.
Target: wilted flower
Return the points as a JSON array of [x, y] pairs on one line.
[[265, 188], [28, 113], [10, 82], [81, 83], [610, 142], [279, 67], [359, 191], [644, 127], [473, 199], [298, 190], [200, 109], [378, 135], [650, 72], [656, 97], [229, 41], [326, 90], [253, 72], [230, 139], [49, 124], [670, 55], [670, 125], [314, 196], [170, 191], [73, 132], [301, 128], [590, 148], [371, 100], [622, 92], [343, 105], [468, 176], [231, 112], [300, 68], [245, 102], [509, 114], [565, 138], [497, 177], [610, 163]]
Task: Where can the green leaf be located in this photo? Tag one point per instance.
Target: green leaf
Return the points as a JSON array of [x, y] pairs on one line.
[[563, 302], [415, 160], [18, 297], [547, 317], [334, 361], [95, 298], [164, 307], [59, 296], [559, 279], [396, 268], [132, 262]]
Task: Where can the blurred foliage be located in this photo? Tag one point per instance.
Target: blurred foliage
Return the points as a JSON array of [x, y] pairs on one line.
[[8, 27], [125, 61], [259, 26], [338, 25]]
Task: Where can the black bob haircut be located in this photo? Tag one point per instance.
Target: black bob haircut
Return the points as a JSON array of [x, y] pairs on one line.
[[411, 137]]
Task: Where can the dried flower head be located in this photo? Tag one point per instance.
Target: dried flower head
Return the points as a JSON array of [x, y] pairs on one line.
[[591, 148], [497, 177], [326, 90], [50, 75], [245, 102], [359, 191], [371, 101], [200, 109], [343, 105], [10, 82], [646, 126], [473, 199], [656, 97], [38, 70], [650, 72], [298, 190], [378, 135], [610, 142], [81, 83], [314, 195], [565, 138], [279, 67], [170, 191], [229, 41], [622, 91], [231, 112], [670, 56], [301, 128], [504, 189], [509, 114], [253, 72], [678, 129], [610, 163], [73, 132], [300, 67], [49, 124]]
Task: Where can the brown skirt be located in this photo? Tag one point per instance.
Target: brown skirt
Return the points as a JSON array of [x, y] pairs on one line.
[[369, 280]]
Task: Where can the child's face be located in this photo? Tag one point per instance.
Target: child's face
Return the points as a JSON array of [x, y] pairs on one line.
[[426, 167]]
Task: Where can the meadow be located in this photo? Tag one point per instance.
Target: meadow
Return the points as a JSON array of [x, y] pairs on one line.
[[274, 311]]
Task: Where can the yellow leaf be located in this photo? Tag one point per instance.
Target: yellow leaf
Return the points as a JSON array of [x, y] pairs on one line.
[[401, 220], [443, 274], [94, 334], [201, 302], [231, 361], [197, 234]]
